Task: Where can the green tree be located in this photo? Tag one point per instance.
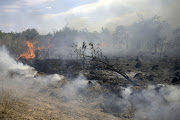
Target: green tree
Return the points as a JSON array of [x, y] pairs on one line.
[[31, 34]]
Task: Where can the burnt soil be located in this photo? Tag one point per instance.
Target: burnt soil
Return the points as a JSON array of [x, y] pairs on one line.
[[49, 104]]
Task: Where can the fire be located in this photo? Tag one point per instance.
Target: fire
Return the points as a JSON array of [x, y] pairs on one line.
[[32, 48]]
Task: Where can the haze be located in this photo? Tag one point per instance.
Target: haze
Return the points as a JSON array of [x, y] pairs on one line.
[[51, 15]]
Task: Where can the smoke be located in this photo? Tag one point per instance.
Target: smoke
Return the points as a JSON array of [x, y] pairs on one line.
[[154, 102], [8, 63], [16, 75], [72, 90], [147, 36]]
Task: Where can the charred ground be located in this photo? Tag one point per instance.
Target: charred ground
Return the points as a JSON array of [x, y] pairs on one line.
[[49, 103], [151, 70]]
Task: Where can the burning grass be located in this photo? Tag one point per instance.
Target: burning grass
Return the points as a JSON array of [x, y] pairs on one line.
[[30, 53]]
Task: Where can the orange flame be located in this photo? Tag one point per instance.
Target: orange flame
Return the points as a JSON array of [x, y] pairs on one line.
[[30, 53]]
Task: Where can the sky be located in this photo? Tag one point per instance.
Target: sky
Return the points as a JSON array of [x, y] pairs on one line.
[[51, 15]]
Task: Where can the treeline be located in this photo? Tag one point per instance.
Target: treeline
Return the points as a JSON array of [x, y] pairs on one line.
[[150, 35]]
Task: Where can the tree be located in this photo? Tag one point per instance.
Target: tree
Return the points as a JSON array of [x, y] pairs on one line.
[[31, 34]]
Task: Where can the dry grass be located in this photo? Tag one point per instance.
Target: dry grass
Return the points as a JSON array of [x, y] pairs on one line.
[[5, 102]]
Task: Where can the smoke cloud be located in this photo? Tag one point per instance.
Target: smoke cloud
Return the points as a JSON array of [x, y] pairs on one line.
[[153, 102], [144, 37], [16, 75]]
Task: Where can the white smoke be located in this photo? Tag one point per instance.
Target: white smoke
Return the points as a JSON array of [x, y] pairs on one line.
[[155, 102], [16, 75], [160, 102], [71, 90], [9, 64]]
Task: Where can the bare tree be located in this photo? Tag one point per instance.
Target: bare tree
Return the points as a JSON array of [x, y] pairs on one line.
[[94, 54]]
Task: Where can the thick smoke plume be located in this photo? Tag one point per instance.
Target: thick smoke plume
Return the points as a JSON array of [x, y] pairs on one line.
[[17, 75]]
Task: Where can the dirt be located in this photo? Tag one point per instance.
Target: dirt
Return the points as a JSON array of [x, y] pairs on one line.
[[42, 106]]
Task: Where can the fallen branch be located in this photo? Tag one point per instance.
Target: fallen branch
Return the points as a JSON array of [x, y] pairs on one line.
[[96, 56]]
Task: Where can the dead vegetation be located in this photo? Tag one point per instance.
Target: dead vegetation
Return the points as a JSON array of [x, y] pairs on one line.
[[7, 100], [91, 53], [5, 103]]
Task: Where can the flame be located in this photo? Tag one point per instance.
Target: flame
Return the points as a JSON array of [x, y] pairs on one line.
[[32, 48]]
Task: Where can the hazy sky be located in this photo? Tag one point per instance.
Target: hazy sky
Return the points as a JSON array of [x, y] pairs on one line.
[[49, 15]]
